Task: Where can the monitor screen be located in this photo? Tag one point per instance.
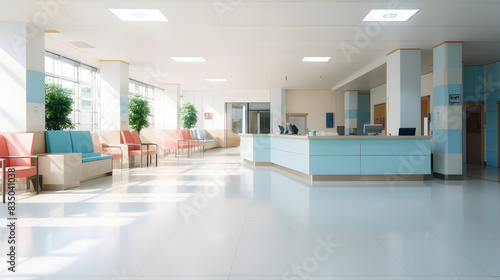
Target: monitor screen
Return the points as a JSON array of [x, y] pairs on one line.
[[282, 129], [407, 131], [341, 130], [372, 129]]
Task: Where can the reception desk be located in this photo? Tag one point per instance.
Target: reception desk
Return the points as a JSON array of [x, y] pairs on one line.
[[323, 158]]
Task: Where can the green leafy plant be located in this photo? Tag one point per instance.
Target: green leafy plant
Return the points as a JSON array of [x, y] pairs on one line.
[[58, 107], [139, 111], [189, 115]]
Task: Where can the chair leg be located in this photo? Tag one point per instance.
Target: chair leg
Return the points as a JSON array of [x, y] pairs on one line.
[[156, 159]]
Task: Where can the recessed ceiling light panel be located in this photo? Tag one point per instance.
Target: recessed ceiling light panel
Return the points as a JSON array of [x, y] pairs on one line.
[[216, 80], [390, 15], [315, 59], [189, 59], [139, 14]]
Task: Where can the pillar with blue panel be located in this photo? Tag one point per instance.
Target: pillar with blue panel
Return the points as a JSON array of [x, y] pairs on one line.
[[448, 88], [22, 78]]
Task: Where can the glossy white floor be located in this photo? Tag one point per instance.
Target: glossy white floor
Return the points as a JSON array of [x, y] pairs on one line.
[[212, 218]]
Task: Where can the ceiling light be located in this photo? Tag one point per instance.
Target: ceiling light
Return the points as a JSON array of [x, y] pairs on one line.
[[316, 59], [139, 14], [216, 80], [189, 59], [390, 15]]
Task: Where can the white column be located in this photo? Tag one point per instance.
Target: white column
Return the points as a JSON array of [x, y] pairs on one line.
[[278, 109], [350, 110], [114, 95], [403, 90], [172, 106], [22, 79]]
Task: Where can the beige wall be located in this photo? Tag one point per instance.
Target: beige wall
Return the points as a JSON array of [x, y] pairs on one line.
[[316, 103]]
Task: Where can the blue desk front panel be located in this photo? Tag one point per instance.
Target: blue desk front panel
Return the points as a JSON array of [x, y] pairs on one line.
[[298, 162], [334, 147], [261, 155], [393, 147], [262, 142], [395, 165], [294, 145], [334, 165]]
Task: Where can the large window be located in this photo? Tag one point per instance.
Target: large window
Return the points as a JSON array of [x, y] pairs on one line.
[[146, 91], [83, 80]]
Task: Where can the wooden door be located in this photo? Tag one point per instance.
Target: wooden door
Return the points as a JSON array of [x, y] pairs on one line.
[[425, 110], [479, 118], [380, 115]]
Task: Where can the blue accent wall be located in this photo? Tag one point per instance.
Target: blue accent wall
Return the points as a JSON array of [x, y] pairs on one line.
[[35, 87], [124, 104]]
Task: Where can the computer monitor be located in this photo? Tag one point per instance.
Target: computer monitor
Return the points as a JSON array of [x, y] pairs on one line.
[[294, 129], [341, 130], [407, 131], [282, 129], [372, 129]]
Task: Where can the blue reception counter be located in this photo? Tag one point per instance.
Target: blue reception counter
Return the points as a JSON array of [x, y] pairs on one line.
[[342, 157]]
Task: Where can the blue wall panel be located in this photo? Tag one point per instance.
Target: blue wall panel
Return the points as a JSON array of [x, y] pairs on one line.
[[447, 141], [492, 141], [492, 120], [35, 87], [492, 159], [350, 114], [124, 104]]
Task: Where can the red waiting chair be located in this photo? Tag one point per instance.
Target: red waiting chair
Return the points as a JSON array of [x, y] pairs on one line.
[[17, 150], [136, 149]]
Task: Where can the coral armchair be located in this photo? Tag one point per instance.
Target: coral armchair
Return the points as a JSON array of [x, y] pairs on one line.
[[135, 149], [17, 150], [137, 139]]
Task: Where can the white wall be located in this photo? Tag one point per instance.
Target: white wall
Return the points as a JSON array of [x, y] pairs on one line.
[[214, 102], [315, 103]]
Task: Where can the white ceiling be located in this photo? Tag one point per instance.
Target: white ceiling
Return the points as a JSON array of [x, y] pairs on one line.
[[260, 44]]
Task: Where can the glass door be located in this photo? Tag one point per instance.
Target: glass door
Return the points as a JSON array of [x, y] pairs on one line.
[[236, 123]]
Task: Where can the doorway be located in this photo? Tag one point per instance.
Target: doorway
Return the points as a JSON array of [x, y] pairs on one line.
[[425, 110], [240, 118], [380, 115], [474, 132]]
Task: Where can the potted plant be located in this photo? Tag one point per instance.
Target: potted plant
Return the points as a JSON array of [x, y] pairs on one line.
[[58, 107], [139, 111], [189, 116]]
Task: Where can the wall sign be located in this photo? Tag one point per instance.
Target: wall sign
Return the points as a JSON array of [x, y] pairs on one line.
[[454, 99], [329, 120]]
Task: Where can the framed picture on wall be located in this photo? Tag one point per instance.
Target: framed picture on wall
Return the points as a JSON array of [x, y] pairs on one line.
[[208, 116]]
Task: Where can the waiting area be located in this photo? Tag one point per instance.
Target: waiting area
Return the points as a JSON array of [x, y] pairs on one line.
[[249, 140]]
